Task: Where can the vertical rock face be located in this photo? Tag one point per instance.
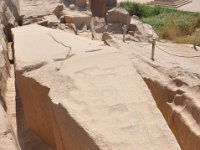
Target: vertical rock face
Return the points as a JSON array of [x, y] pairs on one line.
[[9, 16], [4, 73], [98, 7], [86, 95], [37, 111], [7, 137], [8, 12], [6, 18]]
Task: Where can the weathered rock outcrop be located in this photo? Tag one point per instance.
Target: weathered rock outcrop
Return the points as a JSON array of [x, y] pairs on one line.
[[98, 7], [142, 30], [7, 137], [78, 19], [118, 15], [9, 16], [8, 19], [79, 94], [4, 72]]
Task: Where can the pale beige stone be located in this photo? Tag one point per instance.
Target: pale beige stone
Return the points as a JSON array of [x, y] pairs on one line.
[[118, 15], [78, 19], [86, 94]]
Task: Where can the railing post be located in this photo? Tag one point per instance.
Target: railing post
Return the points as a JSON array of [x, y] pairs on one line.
[[153, 49], [124, 32], [195, 47]]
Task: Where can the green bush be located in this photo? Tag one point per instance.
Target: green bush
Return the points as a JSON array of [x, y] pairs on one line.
[[169, 23], [142, 10]]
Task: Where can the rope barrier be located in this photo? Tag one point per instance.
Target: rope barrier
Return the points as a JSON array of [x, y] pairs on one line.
[[182, 56], [176, 54]]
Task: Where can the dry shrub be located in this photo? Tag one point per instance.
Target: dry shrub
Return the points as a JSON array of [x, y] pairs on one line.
[[171, 24]]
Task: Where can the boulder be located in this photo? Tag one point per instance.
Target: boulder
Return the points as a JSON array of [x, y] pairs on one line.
[[62, 19], [68, 18], [43, 23], [72, 27], [79, 20], [98, 8], [88, 96], [58, 9], [133, 27], [98, 25], [106, 36], [115, 28], [80, 3], [145, 31], [52, 21], [118, 15]]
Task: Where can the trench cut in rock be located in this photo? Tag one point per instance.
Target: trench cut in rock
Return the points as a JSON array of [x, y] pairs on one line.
[[93, 99], [8, 18]]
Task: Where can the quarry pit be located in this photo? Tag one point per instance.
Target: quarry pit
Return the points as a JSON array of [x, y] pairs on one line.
[[69, 82]]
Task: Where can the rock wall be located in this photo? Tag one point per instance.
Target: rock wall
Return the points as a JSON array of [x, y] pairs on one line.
[[52, 122], [9, 16], [7, 137], [8, 19], [98, 8], [179, 111], [4, 70], [8, 12], [177, 98], [37, 109]]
